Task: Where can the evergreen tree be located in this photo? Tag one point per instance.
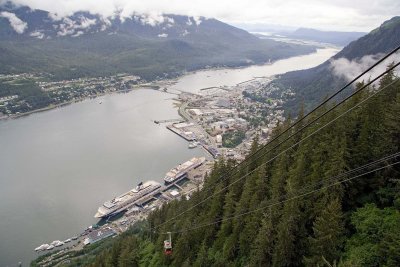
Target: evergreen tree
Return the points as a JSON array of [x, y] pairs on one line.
[[328, 235]]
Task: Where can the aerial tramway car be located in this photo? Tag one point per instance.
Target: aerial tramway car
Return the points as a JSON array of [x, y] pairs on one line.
[[168, 245]]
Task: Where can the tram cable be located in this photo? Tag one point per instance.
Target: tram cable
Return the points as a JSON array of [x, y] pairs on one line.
[[290, 197], [303, 139], [310, 113]]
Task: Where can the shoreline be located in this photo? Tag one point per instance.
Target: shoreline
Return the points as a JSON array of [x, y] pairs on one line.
[[51, 107], [148, 85]]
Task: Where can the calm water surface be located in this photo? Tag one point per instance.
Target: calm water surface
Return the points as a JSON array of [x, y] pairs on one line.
[[202, 79], [58, 166]]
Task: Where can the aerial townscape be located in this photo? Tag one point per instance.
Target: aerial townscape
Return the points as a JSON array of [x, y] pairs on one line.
[[224, 121], [199, 133]]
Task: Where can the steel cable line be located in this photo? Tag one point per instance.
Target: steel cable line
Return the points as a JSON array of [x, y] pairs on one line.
[[315, 119], [303, 139], [297, 196], [309, 113]]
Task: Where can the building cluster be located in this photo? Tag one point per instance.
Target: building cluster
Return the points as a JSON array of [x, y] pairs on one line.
[[116, 82], [77, 89], [227, 119], [53, 93]]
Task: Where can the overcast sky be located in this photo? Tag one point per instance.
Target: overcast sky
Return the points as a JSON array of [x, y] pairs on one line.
[[347, 15]]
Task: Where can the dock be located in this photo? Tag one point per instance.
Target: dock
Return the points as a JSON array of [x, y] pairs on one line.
[[246, 81], [209, 88], [166, 121], [188, 136]]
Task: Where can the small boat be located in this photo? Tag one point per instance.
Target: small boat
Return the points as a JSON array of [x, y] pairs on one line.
[[59, 244], [50, 247], [74, 238], [67, 240], [42, 247], [193, 144], [54, 242]]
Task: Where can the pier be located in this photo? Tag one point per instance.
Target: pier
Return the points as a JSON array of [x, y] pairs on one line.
[[209, 88], [166, 121], [188, 136]]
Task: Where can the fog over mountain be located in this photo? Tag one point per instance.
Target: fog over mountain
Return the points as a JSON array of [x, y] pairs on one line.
[[312, 85], [149, 45], [326, 15]]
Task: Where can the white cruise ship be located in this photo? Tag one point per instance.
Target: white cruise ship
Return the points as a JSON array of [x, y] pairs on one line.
[[182, 169], [128, 199]]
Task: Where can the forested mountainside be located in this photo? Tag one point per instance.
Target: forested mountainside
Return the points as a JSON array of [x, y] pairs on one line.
[[311, 85], [150, 46], [306, 203]]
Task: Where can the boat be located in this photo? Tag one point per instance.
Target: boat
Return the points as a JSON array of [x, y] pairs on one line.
[[42, 247], [67, 240], [181, 170], [74, 238], [50, 247], [192, 144], [54, 242], [128, 199], [59, 244]]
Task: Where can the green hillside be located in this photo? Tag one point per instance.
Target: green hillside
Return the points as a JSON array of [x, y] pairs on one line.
[[174, 45], [312, 85]]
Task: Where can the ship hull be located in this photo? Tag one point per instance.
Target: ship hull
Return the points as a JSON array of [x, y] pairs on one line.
[[127, 200]]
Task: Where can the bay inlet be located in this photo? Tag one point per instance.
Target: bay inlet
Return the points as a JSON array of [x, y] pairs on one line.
[[58, 166]]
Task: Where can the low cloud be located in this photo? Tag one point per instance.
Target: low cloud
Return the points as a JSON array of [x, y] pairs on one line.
[[17, 24], [152, 18], [163, 35], [37, 34], [327, 14], [75, 28], [349, 69]]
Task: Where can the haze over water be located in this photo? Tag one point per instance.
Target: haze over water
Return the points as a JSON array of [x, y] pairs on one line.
[[58, 166]]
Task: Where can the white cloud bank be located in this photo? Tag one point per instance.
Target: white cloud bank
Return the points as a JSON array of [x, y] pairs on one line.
[[17, 24], [37, 34], [75, 28], [323, 14], [348, 69]]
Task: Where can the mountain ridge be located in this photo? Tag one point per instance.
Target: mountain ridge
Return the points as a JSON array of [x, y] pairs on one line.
[[81, 42], [313, 84], [332, 37]]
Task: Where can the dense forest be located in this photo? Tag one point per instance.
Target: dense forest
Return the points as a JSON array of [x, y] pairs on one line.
[[307, 203]]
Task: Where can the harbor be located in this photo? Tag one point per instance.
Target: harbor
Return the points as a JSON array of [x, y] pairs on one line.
[[119, 144], [118, 214], [207, 118]]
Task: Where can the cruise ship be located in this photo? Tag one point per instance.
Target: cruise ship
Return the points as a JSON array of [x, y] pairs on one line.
[[182, 169], [128, 199]]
